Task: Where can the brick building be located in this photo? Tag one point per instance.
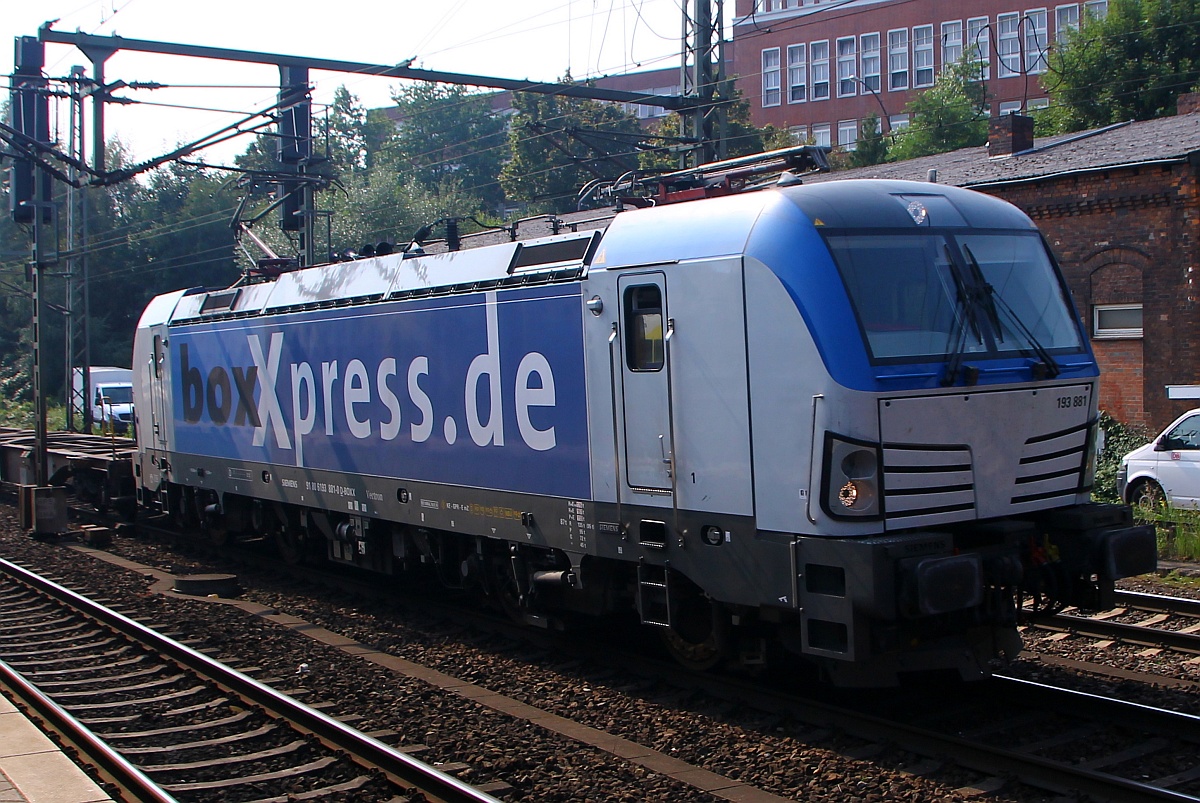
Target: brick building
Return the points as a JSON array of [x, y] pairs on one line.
[[1120, 207], [818, 67]]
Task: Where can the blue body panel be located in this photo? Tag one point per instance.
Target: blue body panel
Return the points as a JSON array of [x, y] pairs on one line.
[[483, 389]]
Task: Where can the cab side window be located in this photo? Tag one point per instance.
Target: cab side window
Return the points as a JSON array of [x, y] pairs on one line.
[[644, 328]]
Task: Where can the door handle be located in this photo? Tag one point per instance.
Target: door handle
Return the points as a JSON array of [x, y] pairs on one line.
[[669, 461]]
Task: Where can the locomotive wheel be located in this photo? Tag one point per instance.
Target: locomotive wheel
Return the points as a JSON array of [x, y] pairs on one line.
[[699, 635], [503, 590], [217, 536], [287, 541]]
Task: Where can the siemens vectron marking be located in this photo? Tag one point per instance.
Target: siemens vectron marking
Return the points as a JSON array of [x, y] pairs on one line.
[[855, 419]]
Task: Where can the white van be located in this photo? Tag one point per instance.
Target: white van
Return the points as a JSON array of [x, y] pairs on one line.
[[1167, 469]]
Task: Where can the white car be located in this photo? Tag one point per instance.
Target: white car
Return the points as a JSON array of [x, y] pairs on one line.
[[1167, 469]]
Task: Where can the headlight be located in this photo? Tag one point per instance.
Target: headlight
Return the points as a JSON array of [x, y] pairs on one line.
[[851, 478]]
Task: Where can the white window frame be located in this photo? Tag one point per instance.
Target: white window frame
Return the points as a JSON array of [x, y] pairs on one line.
[[818, 70], [952, 43], [978, 40], [799, 134], [847, 63], [1008, 45], [922, 55], [898, 59], [1035, 104], [848, 135], [820, 134], [1100, 332], [897, 122], [1010, 107], [1066, 18], [1037, 40], [868, 47], [771, 91], [797, 56], [1095, 9]]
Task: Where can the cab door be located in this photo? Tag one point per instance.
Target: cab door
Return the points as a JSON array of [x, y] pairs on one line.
[[645, 380], [160, 375]]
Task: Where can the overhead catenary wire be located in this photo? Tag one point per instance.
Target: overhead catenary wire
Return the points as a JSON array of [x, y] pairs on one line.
[[501, 145]]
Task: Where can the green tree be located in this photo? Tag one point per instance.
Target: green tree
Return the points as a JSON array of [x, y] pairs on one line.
[[558, 144], [946, 117], [346, 132], [872, 147], [1131, 65], [446, 133]]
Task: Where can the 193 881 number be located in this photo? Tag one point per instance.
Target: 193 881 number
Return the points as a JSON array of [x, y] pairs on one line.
[[1071, 401]]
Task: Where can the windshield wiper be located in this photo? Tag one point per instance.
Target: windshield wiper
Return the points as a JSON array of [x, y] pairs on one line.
[[966, 315], [1049, 367]]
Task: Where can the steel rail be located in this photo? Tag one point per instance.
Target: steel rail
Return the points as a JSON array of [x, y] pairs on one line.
[[1158, 602], [134, 784], [1034, 770], [1120, 631], [400, 768], [975, 755], [1074, 702]]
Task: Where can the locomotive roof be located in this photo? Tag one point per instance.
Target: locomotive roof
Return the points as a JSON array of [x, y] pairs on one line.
[[752, 223]]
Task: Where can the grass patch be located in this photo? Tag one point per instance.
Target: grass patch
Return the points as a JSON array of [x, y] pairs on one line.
[[1177, 580], [1178, 530]]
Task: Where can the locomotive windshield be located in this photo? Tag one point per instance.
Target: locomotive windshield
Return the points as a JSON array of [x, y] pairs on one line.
[[932, 294]]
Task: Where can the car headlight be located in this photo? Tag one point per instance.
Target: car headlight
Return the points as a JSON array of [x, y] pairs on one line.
[[852, 486]]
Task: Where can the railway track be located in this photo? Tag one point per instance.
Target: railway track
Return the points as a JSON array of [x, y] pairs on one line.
[[1031, 732], [1148, 612], [165, 722], [1009, 730]]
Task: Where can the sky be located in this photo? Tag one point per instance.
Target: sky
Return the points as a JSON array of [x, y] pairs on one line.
[[535, 39]]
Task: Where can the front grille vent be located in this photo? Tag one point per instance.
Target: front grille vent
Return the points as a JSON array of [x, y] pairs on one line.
[[1052, 466], [927, 484]]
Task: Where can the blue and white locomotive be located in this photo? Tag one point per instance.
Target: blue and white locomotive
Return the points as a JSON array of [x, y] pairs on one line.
[[853, 418]]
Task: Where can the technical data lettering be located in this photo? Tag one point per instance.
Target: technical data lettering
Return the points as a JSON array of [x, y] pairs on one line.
[[460, 391], [485, 511], [577, 525], [327, 488]]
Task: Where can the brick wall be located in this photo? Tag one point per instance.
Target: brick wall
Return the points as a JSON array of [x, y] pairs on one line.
[[1111, 230], [1122, 380]]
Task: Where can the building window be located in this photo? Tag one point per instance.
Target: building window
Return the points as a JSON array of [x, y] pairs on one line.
[[897, 60], [1010, 107], [1036, 40], [869, 45], [898, 121], [820, 134], [848, 134], [1095, 9], [770, 77], [847, 60], [1037, 103], [980, 44], [1117, 321], [952, 43], [1066, 19], [819, 53], [797, 73], [922, 55], [1008, 45], [799, 134]]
